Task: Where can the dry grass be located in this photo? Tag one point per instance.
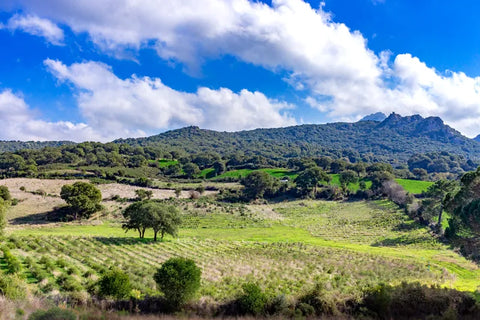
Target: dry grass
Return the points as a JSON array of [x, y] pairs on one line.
[[37, 205]]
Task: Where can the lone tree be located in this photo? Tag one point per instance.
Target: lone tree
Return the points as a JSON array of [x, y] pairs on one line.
[[162, 218], [83, 198], [179, 280], [256, 184]]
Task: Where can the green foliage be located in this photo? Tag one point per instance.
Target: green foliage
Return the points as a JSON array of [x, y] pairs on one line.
[[256, 184], [179, 280], [417, 301], [5, 193], [83, 198], [347, 177], [308, 180], [115, 283], [143, 194], [3, 218], [191, 170], [253, 300], [53, 314], [146, 214], [12, 287], [14, 265]]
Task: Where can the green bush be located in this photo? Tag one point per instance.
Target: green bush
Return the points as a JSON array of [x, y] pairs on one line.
[[53, 314], [178, 279], [115, 283], [13, 264], [12, 287], [253, 299], [5, 193]]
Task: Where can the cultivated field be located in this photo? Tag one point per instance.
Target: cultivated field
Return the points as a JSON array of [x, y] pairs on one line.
[[285, 247]]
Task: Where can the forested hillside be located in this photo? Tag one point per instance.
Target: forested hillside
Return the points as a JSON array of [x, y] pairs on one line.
[[393, 140], [11, 146]]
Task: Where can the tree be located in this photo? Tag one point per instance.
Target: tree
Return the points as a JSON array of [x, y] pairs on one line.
[[256, 184], [162, 218], [115, 283], [308, 180], [143, 194], [347, 177], [191, 170], [219, 167], [436, 197], [179, 280], [83, 198]]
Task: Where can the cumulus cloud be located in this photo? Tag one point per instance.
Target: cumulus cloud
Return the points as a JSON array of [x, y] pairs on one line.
[[114, 107], [19, 122], [325, 59], [37, 26]]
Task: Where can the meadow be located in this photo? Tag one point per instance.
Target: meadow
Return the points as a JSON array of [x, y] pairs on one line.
[[286, 247]]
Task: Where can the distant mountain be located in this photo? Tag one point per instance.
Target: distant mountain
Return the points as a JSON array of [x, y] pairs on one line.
[[395, 139], [11, 146], [477, 138], [379, 117]]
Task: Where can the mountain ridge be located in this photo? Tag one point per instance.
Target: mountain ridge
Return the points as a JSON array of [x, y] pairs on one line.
[[394, 139]]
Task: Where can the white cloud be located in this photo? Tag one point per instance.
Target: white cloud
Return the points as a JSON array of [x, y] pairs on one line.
[[332, 63], [137, 106], [37, 26], [19, 122]]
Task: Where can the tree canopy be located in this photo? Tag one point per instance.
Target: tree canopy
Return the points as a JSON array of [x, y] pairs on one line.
[[160, 217], [83, 198]]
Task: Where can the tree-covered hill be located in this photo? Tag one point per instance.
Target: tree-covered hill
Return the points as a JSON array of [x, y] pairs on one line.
[[12, 146], [394, 140]]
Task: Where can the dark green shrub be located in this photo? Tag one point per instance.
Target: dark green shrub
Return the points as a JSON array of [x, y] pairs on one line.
[[53, 314], [5, 193], [115, 283], [253, 299], [178, 279]]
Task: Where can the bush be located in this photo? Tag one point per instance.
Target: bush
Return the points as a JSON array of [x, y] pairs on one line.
[[5, 193], [53, 314], [13, 264], [178, 279], [12, 287], [414, 300], [115, 283], [253, 299]]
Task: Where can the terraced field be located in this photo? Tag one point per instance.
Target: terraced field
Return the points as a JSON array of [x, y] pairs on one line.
[[286, 247]]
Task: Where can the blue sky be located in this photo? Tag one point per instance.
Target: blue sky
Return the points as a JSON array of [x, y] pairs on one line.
[[90, 70]]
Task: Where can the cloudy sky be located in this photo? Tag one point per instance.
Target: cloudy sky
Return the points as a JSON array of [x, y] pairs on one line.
[[100, 70]]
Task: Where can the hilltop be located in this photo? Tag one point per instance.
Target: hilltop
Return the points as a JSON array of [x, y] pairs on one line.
[[395, 140]]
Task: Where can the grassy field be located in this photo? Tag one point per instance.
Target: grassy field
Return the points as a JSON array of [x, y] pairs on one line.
[[285, 247], [414, 186]]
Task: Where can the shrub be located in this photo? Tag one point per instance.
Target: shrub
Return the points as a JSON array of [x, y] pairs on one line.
[[12, 287], [53, 314], [178, 279], [253, 299], [5, 193], [115, 283], [13, 264]]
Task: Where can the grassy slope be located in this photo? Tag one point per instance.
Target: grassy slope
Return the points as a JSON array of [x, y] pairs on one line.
[[286, 247]]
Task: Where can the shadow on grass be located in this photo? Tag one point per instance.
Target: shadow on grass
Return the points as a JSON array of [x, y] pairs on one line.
[[408, 226], [400, 241], [61, 214], [119, 241]]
